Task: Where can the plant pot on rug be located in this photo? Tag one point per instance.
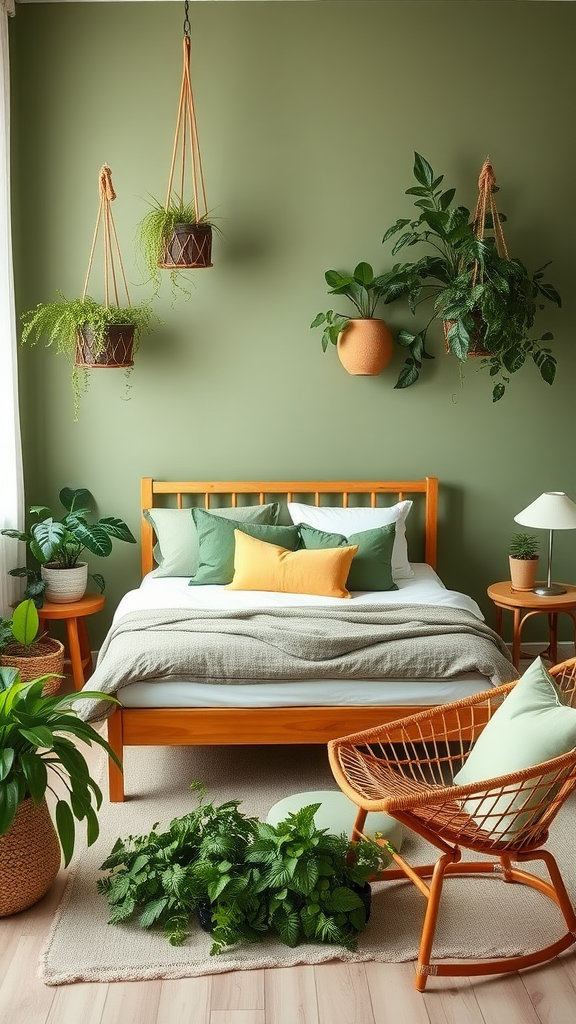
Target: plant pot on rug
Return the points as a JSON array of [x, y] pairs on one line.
[[365, 344], [32, 655], [57, 545], [35, 747]]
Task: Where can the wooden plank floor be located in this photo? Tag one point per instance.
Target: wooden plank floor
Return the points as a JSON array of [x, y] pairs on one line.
[[332, 993]]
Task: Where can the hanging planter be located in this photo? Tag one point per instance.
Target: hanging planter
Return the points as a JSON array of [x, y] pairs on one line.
[[93, 335], [177, 235]]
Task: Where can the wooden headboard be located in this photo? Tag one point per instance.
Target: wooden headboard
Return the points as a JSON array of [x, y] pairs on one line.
[[172, 493]]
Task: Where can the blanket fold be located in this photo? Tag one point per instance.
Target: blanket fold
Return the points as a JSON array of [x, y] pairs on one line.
[[277, 644]]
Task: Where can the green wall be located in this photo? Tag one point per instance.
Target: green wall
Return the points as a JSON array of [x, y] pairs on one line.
[[308, 115]]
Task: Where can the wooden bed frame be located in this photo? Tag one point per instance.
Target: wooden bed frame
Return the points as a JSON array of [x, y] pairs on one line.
[[289, 725]]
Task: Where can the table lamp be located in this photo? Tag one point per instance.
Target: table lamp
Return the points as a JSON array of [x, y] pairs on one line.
[[553, 510]]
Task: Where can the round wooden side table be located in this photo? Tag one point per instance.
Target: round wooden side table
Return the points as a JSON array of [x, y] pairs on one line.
[[524, 605], [74, 615]]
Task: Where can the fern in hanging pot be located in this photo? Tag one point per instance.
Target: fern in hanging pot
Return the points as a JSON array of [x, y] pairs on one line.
[[171, 238], [92, 334]]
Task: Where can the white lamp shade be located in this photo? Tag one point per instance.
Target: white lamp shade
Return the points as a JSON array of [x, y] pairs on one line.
[[553, 510]]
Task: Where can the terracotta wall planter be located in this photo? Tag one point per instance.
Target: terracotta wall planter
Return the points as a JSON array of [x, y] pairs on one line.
[[30, 857], [523, 573], [116, 351], [365, 347], [189, 246]]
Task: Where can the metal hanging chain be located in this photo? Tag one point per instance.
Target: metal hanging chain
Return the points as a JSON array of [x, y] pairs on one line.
[[186, 20], [107, 195]]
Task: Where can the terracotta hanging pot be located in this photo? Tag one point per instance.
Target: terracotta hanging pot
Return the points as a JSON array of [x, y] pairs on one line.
[[115, 352], [189, 246], [523, 573], [30, 857], [365, 347]]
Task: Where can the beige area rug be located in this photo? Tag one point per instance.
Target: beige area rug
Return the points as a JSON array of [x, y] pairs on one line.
[[479, 917]]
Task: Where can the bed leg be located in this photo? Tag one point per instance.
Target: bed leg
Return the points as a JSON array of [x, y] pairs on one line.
[[115, 739]]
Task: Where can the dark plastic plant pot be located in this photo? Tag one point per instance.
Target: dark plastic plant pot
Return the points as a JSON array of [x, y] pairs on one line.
[[204, 909], [189, 246], [115, 352]]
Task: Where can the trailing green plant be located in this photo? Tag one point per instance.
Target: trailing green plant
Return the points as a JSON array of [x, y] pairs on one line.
[[472, 288], [62, 541], [362, 289], [524, 546], [291, 879], [58, 323], [22, 629], [36, 749], [156, 228]]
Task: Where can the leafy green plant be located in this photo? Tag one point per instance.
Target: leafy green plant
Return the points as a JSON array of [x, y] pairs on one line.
[[22, 629], [362, 289], [62, 541], [291, 879], [35, 748], [154, 231], [524, 546], [472, 288], [58, 323]]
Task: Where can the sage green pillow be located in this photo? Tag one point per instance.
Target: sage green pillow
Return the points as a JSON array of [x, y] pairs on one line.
[[176, 550], [216, 542], [371, 567]]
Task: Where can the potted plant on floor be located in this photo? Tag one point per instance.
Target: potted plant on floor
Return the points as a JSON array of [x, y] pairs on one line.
[[523, 558], [33, 654], [480, 294], [365, 344], [57, 545], [38, 752], [249, 877]]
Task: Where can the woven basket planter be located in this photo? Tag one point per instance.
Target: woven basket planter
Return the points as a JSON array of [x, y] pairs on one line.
[[365, 347], [47, 660], [30, 858], [115, 351], [189, 246], [64, 585]]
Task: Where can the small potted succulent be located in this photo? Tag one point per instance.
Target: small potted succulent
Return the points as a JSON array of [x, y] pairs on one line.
[[57, 545], [523, 558], [37, 745], [364, 342]]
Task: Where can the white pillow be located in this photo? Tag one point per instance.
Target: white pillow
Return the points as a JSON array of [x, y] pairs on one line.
[[532, 725], [356, 520]]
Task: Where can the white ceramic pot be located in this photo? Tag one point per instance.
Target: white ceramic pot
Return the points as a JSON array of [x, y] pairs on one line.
[[64, 585]]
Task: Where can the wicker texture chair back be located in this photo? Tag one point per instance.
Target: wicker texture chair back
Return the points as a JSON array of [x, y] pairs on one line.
[[406, 769]]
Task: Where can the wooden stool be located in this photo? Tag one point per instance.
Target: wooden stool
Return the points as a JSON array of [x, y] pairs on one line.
[[74, 614]]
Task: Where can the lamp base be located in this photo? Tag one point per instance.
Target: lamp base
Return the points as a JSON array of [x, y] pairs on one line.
[[548, 591]]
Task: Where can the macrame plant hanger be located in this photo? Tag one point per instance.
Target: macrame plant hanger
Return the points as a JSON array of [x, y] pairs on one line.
[[485, 205], [189, 245], [116, 347]]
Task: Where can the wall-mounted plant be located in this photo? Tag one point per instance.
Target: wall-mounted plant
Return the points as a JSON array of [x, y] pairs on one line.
[[92, 334], [485, 298], [364, 342]]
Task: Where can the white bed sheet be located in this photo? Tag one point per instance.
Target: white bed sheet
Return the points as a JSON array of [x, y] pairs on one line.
[[425, 587]]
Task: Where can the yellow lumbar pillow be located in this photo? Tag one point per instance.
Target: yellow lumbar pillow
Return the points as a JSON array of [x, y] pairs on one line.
[[259, 565]]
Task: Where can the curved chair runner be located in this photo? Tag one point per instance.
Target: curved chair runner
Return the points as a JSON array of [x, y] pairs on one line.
[[406, 769]]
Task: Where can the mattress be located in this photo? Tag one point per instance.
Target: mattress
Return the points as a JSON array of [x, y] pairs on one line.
[[425, 587]]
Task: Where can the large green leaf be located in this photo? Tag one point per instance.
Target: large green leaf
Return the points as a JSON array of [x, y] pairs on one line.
[[47, 537], [408, 375], [364, 275], [117, 528], [6, 762], [72, 500], [36, 775], [9, 800], [423, 171], [25, 622], [66, 829], [39, 735], [95, 538]]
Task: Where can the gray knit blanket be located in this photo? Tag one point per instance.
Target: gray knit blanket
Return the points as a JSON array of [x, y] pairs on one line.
[[277, 644]]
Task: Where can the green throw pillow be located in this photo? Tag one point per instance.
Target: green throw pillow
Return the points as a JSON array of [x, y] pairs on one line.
[[216, 541], [176, 548], [371, 567], [531, 725]]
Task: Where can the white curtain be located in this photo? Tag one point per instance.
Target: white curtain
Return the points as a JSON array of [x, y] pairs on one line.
[[11, 476]]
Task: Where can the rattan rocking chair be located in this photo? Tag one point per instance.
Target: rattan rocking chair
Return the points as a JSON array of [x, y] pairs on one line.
[[406, 768]]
